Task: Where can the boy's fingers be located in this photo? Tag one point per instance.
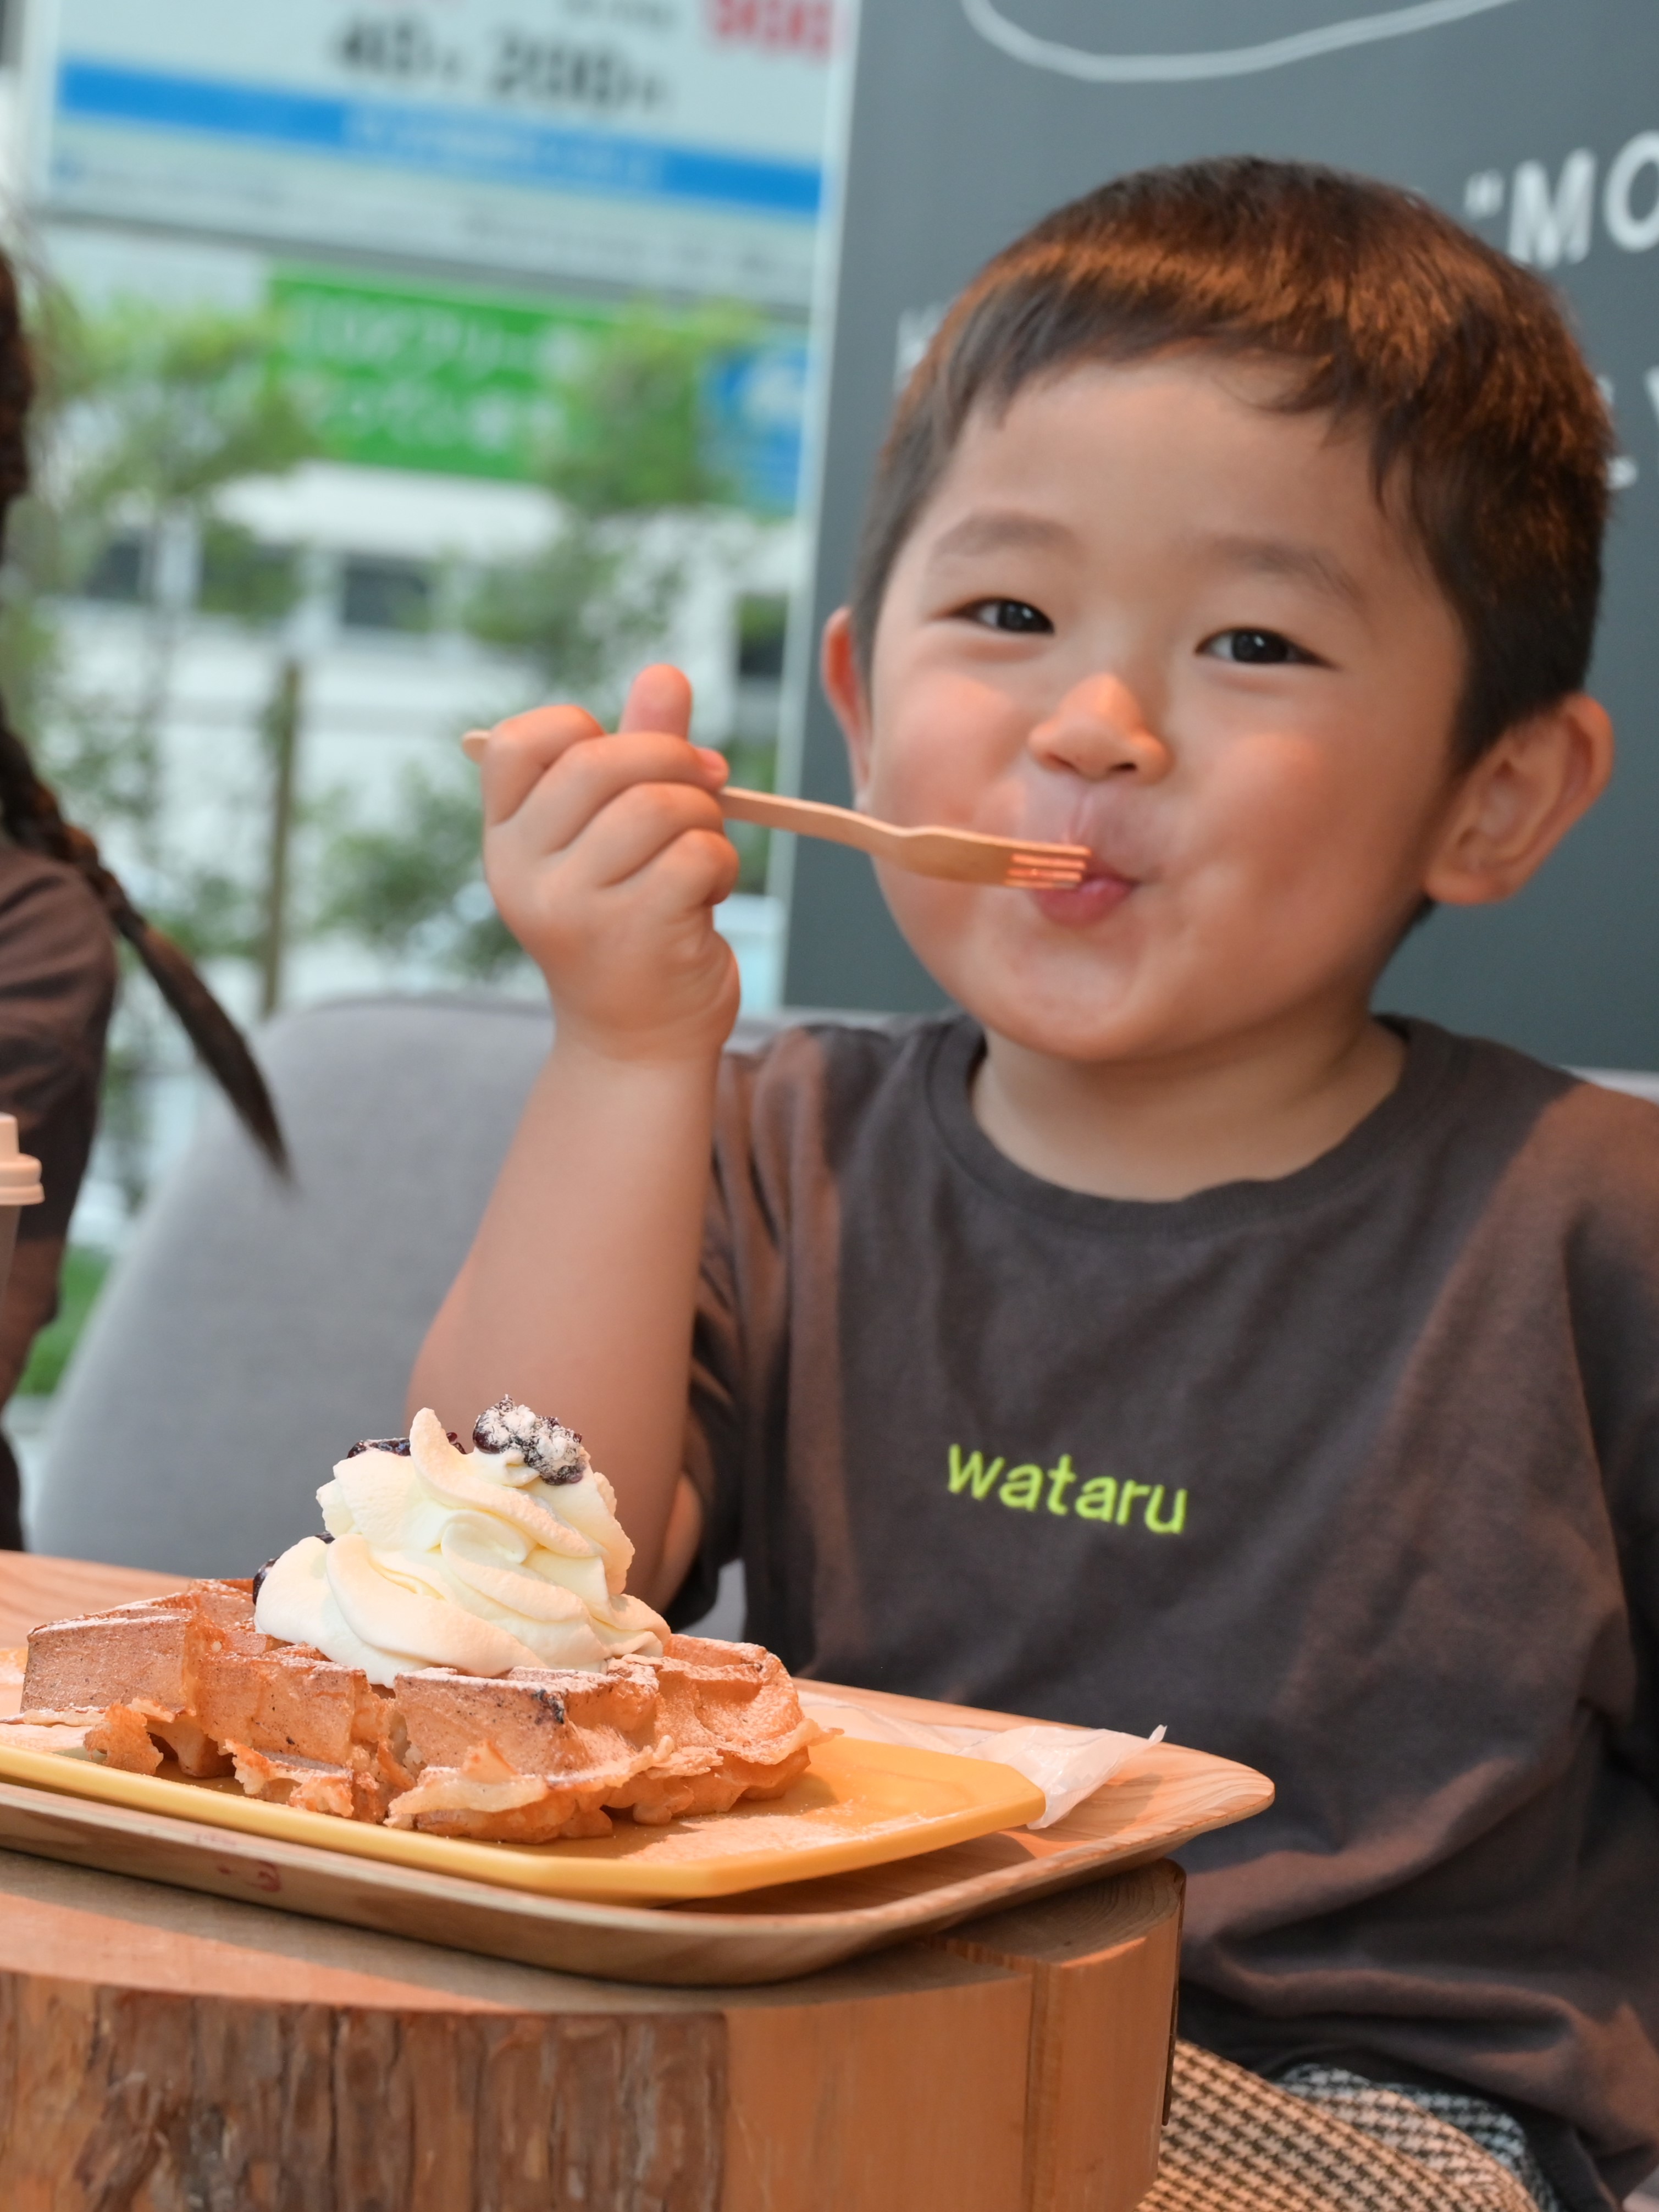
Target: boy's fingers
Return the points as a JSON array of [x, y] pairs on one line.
[[698, 869], [520, 750], [637, 827], [659, 698], [589, 777]]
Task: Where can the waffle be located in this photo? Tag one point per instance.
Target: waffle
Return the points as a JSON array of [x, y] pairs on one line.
[[189, 1675], [146, 1650], [539, 1753], [530, 1756]]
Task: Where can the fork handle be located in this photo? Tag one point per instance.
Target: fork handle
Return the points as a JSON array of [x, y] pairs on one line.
[[809, 817]]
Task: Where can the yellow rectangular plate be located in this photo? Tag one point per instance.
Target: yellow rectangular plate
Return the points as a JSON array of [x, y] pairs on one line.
[[858, 1805]]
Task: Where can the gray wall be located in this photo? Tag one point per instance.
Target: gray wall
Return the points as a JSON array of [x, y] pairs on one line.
[[1535, 120]]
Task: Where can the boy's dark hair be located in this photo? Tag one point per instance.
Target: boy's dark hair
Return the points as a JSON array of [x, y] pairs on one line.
[[1481, 411]]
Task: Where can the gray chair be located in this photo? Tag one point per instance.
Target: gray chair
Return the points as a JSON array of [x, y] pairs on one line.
[[1635, 1084], [251, 1330]]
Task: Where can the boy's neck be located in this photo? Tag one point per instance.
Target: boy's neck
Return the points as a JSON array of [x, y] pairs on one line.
[[1255, 1109]]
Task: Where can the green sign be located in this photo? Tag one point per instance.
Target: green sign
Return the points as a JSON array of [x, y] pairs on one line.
[[457, 382], [402, 376]]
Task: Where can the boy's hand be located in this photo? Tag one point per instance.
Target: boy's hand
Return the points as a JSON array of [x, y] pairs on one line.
[[606, 855]]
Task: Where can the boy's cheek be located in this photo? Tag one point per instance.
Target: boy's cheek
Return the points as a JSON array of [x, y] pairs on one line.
[[940, 742], [979, 946], [933, 917]]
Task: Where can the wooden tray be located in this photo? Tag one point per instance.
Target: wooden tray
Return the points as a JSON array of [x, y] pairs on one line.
[[859, 1805], [1168, 1796]]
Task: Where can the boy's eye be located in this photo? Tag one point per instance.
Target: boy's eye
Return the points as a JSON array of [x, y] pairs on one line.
[[1016, 617], [1256, 649]]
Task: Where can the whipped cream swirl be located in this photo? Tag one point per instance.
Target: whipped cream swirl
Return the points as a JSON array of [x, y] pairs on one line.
[[510, 1555]]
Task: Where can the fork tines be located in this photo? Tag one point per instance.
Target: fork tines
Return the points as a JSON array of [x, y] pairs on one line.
[[1039, 870]]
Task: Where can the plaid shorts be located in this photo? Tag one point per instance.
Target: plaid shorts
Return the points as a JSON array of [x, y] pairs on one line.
[[1323, 2140]]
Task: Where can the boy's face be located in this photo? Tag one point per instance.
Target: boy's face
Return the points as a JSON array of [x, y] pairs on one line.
[[1145, 613]]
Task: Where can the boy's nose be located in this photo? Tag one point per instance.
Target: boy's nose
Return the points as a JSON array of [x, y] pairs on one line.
[[1097, 731]]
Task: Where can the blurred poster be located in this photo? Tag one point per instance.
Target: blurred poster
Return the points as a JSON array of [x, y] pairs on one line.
[[674, 144], [456, 381]]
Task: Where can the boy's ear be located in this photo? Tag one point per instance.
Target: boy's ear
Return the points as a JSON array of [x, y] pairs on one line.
[[1514, 805], [843, 686]]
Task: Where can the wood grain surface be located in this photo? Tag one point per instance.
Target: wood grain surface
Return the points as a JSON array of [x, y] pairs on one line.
[[1104, 1963], [167, 2051], [34, 1586]]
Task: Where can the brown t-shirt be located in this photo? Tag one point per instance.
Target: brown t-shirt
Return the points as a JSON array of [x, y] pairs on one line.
[[1352, 1475]]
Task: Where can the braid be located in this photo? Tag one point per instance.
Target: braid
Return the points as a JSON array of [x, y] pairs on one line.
[[29, 811]]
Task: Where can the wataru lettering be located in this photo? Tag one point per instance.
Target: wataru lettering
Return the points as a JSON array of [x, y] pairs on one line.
[[1060, 1490]]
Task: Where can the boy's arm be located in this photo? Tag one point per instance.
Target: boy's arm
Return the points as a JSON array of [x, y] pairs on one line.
[[606, 855]]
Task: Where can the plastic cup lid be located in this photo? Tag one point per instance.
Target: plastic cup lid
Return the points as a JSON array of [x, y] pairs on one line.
[[20, 1175]]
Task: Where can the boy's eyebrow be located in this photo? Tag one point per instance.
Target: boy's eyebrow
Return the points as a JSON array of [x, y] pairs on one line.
[[996, 529], [1299, 563]]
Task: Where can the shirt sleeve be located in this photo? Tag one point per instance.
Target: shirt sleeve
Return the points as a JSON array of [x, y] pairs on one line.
[[1631, 1468], [1613, 1268], [1644, 1586], [715, 1432]]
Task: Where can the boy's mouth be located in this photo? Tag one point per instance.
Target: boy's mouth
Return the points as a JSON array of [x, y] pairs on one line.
[[1100, 892]]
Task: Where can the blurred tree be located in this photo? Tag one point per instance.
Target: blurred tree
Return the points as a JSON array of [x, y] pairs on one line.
[[630, 466], [48, 547], [83, 1278], [635, 436], [635, 445], [144, 418], [579, 610], [172, 409], [245, 578], [413, 888]]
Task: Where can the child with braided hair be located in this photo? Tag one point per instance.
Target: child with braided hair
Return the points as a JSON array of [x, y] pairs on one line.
[[60, 909]]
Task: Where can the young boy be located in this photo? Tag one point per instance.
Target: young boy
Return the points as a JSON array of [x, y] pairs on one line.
[[1166, 1338]]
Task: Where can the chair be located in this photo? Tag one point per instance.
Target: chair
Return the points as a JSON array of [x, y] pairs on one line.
[[251, 1330], [1635, 1084]]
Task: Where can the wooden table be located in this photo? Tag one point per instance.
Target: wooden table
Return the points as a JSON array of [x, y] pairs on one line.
[[160, 2048]]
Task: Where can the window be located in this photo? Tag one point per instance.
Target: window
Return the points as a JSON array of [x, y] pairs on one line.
[[385, 594], [119, 574], [762, 624], [255, 582]]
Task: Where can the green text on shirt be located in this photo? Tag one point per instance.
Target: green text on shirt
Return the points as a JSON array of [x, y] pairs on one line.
[[1101, 1498]]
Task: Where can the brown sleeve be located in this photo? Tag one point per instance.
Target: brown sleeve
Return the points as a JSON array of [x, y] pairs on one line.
[[57, 987], [714, 1421]]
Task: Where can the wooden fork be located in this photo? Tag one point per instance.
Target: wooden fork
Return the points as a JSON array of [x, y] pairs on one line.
[[961, 856]]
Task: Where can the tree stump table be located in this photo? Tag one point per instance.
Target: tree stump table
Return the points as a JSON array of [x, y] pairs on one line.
[[162, 2051], [166, 2050]]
